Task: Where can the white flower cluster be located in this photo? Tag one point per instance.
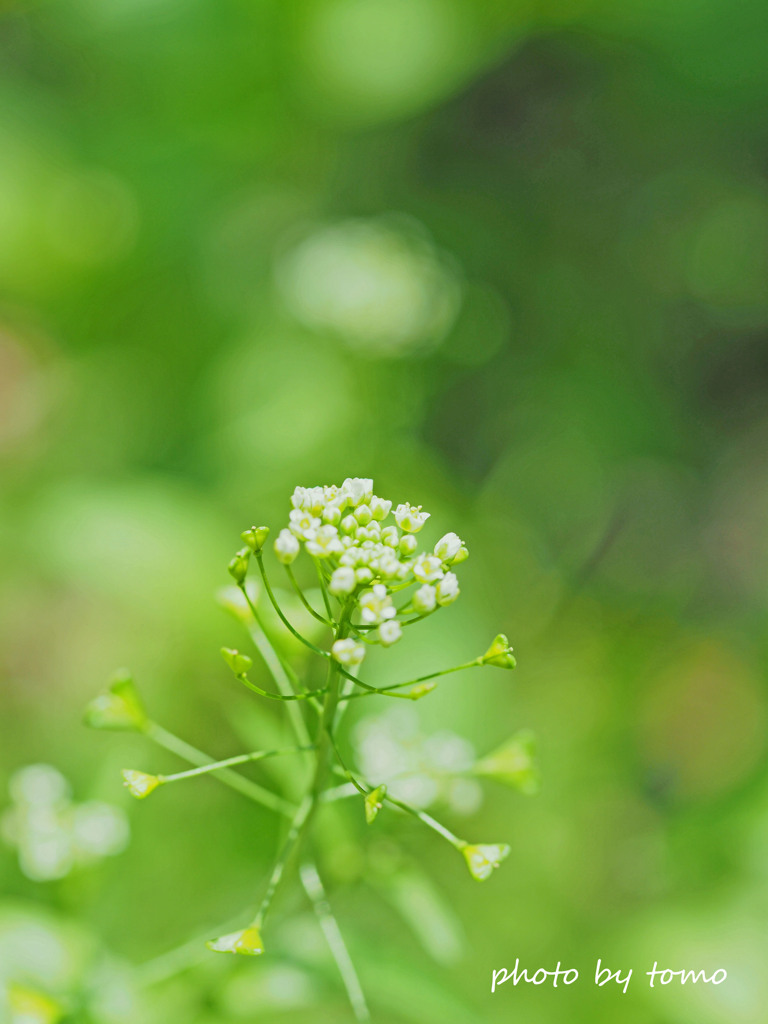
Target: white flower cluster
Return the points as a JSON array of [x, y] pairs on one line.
[[365, 559]]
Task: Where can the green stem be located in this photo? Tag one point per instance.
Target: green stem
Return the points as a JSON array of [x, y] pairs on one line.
[[303, 598], [278, 609], [323, 588], [216, 766], [297, 826], [196, 757], [314, 889], [276, 696], [385, 690]]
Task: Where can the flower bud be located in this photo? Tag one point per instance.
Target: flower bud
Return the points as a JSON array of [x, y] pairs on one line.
[[286, 547], [119, 708], [380, 508], [140, 784], [348, 524], [239, 663], [332, 515], [256, 537], [483, 858], [343, 581], [390, 536], [348, 652], [363, 515], [363, 575], [448, 547], [447, 589], [421, 690], [461, 556], [407, 545], [247, 942], [424, 600], [238, 567], [374, 802], [499, 654], [389, 632]]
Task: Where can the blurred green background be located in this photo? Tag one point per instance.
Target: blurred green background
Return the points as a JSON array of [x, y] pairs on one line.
[[509, 259]]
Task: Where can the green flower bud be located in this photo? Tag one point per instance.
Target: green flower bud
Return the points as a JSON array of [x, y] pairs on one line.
[[512, 763], [140, 784], [408, 544], [247, 942], [256, 537], [238, 567], [373, 803], [461, 556], [421, 690], [239, 663], [363, 515], [483, 858], [119, 708], [332, 515], [499, 654], [348, 524]]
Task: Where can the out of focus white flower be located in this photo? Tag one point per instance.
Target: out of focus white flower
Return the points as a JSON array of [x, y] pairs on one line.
[[428, 569], [425, 599], [376, 605], [342, 581], [51, 833], [286, 547], [390, 748], [390, 632], [380, 285], [447, 589]]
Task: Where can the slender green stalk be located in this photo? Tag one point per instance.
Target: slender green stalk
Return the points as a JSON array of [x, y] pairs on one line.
[[217, 766], [309, 695], [278, 609], [303, 598], [314, 889], [297, 825], [246, 787], [323, 588], [424, 818], [385, 690]]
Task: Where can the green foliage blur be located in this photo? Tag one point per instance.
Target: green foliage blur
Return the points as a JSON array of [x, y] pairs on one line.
[[511, 260]]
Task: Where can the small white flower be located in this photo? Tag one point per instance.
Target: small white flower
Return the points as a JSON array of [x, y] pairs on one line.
[[357, 489], [428, 569], [448, 547], [447, 589], [390, 536], [410, 518], [315, 500], [363, 514], [380, 508], [363, 575], [425, 599], [348, 524], [300, 498], [325, 542], [376, 605], [386, 561], [332, 515], [407, 545], [390, 632], [342, 581], [302, 523], [286, 547], [348, 652]]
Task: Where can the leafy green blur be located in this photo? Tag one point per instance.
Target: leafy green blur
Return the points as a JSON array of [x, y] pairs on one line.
[[509, 259]]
